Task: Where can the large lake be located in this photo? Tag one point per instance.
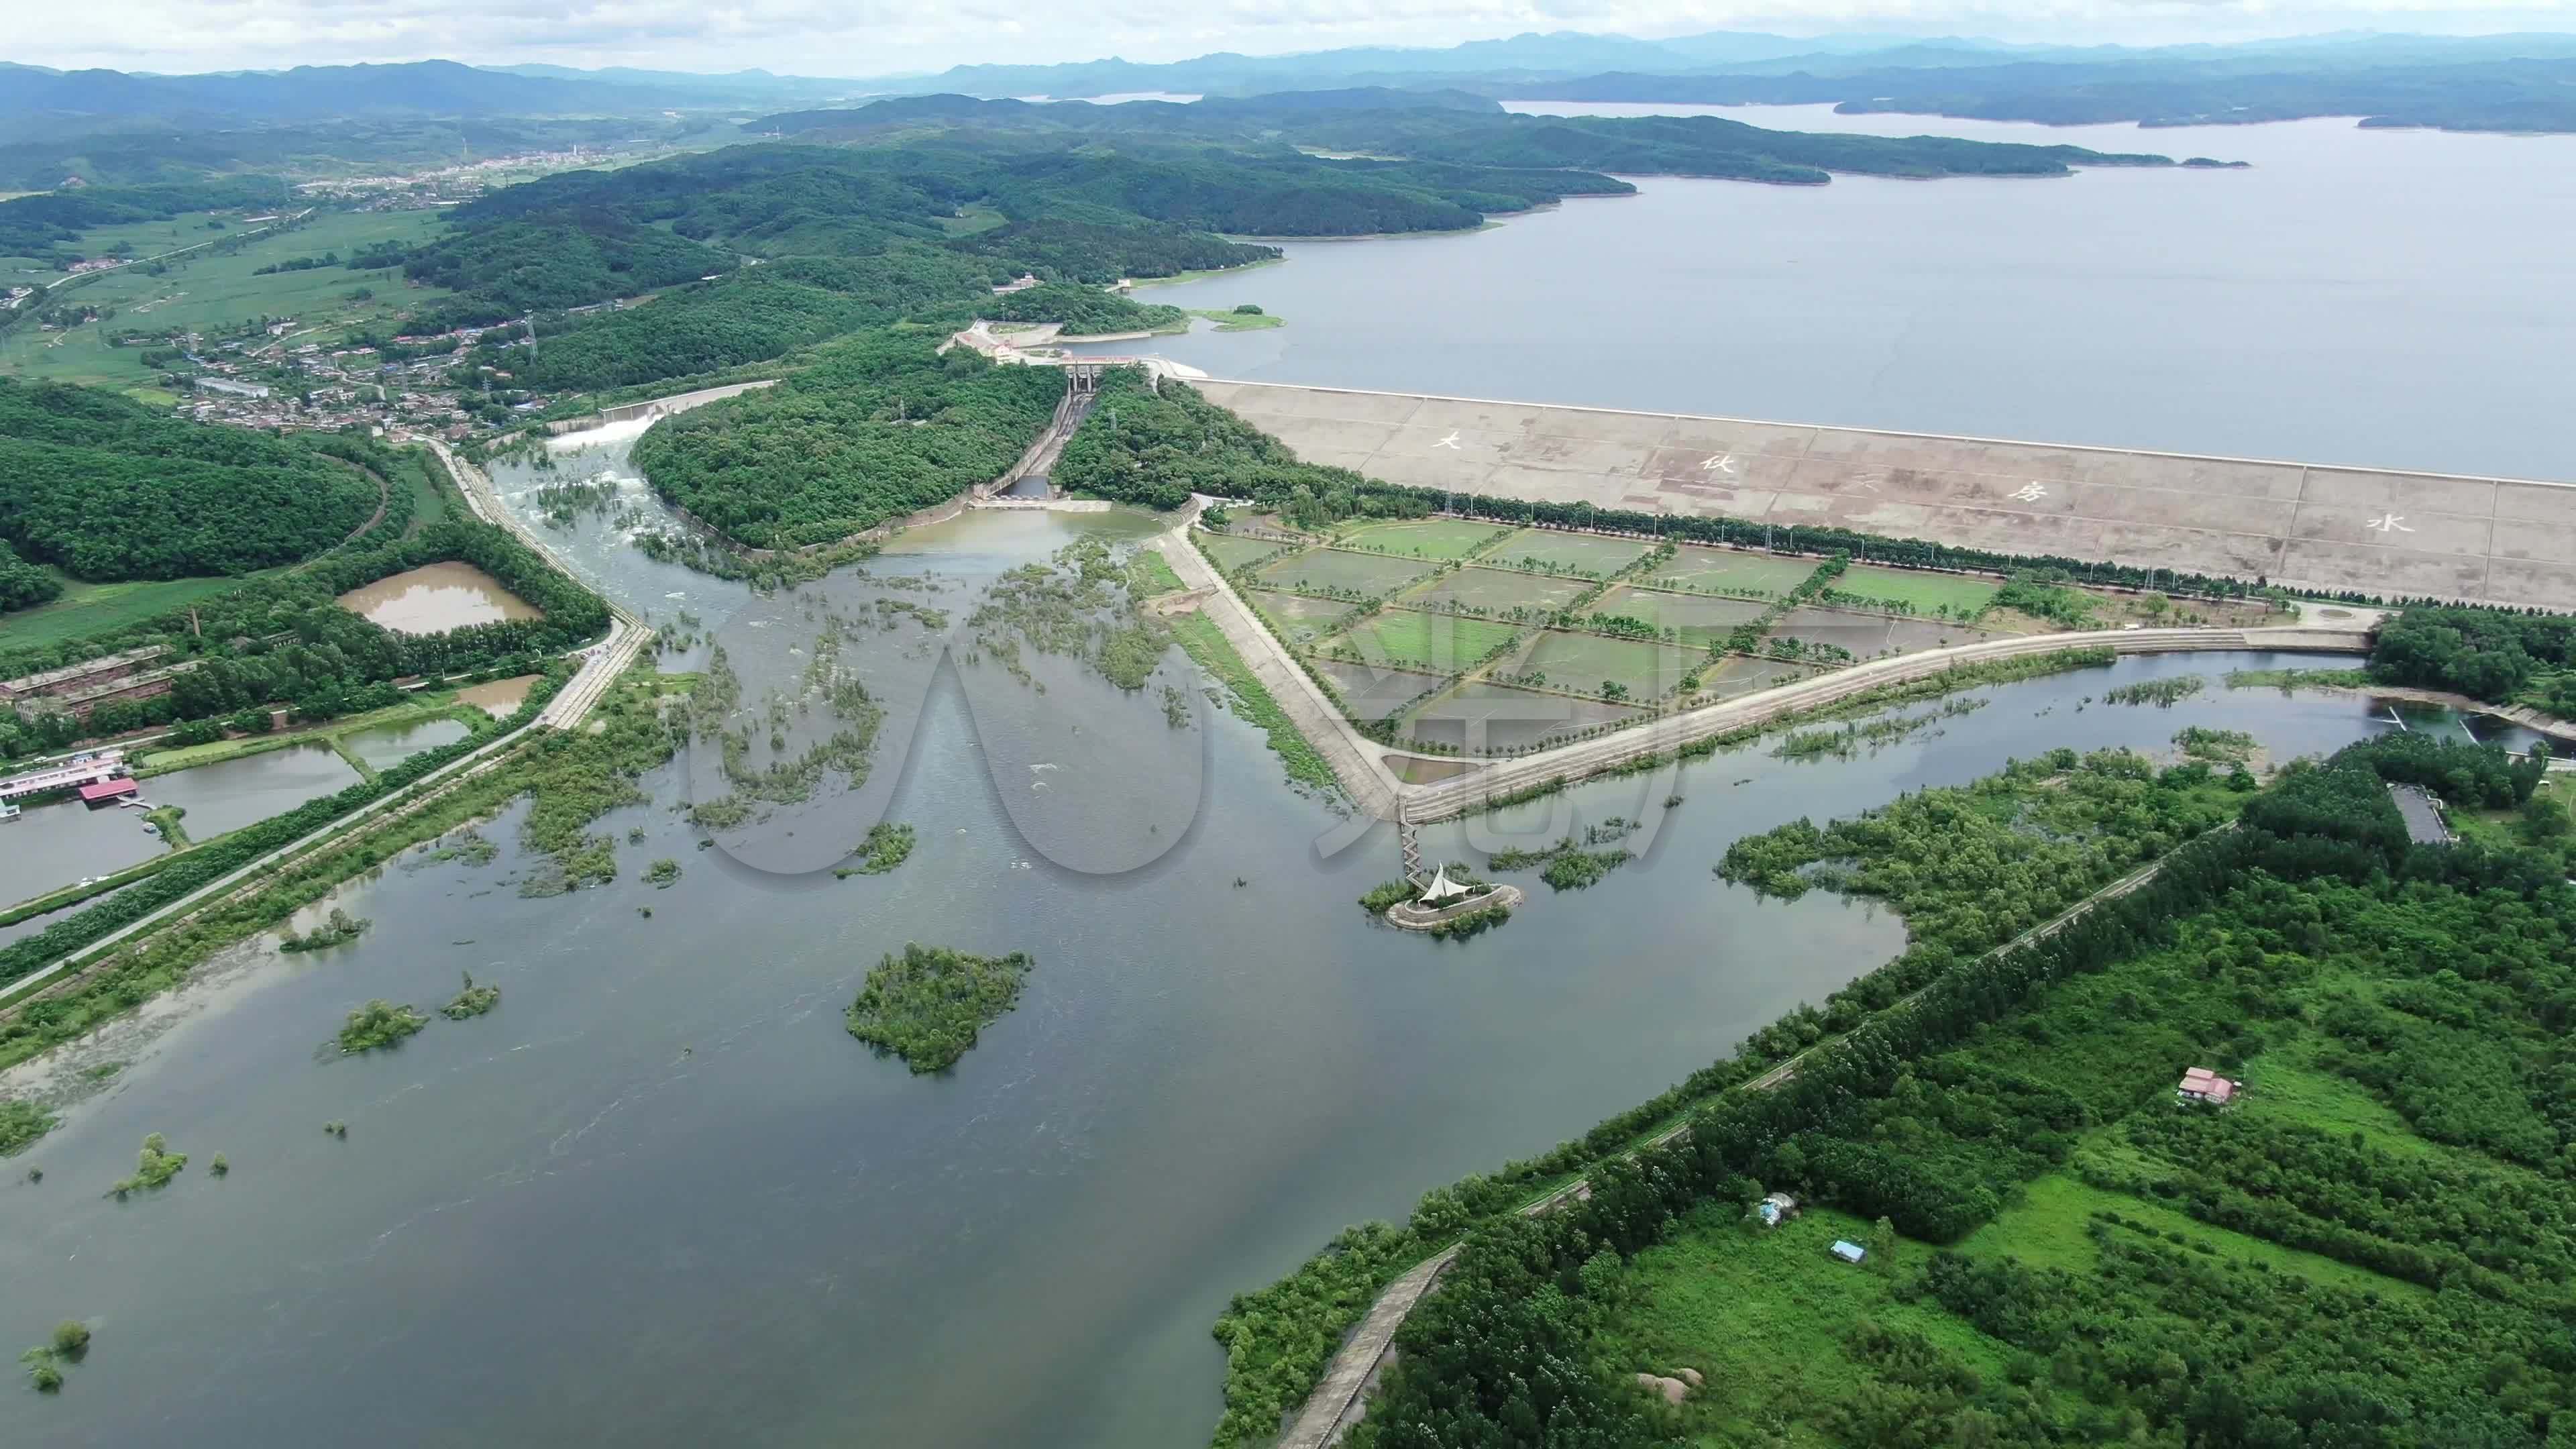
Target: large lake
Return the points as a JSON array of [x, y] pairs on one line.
[[2392, 298]]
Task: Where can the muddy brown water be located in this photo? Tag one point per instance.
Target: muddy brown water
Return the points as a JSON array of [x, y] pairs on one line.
[[437, 597]]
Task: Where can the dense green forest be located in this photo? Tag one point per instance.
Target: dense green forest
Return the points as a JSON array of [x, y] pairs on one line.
[[2369, 1248], [515, 266], [2484, 653], [22, 584], [1082, 310], [110, 489], [880, 426], [1475, 135], [745, 316], [284, 639], [1074, 194]]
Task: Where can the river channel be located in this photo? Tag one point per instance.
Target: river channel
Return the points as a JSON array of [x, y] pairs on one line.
[[661, 1197]]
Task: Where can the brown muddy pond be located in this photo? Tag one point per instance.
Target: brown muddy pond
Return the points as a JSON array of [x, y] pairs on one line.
[[500, 697], [436, 597]]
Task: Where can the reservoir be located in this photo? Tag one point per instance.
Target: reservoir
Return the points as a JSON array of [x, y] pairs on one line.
[[660, 1196], [2383, 298], [436, 597]]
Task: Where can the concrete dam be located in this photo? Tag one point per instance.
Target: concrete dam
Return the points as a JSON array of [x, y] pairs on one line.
[[2483, 540]]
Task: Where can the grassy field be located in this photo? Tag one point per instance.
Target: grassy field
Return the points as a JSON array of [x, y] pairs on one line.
[[1697, 569], [209, 292], [1366, 573], [1478, 718], [1550, 550], [1228, 552], [1499, 590], [1441, 643], [1699, 619], [1228, 320], [93, 608], [1963, 597], [1588, 662], [1431, 538]]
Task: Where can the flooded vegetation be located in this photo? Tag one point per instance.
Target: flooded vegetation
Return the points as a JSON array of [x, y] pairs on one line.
[[436, 597]]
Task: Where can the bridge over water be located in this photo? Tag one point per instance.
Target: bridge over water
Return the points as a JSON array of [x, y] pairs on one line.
[[2487, 540]]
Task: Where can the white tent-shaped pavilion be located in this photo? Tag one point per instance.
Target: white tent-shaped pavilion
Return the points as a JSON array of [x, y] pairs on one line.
[[1443, 890]]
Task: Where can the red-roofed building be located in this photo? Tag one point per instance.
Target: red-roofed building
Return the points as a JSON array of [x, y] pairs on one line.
[[101, 792], [2200, 1084]]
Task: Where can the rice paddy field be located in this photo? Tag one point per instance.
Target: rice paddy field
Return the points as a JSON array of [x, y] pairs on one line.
[[1432, 538], [1299, 620], [1733, 677], [1367, 574], [1697, 569], [1699, 619], [1371, 693], [1441, 643], [1499, 590], [1588, 662], [1961, 595], [1868, 636], [1589, 554], [1481, 718], [1228, 552]]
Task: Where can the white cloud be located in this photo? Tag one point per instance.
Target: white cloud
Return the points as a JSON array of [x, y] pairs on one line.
[[823, 37]]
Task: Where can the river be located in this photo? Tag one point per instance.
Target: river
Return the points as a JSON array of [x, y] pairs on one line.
[[2385, 298], [660, 1196]]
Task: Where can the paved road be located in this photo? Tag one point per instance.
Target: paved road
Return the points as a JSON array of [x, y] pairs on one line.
[[1354, 758], [1340, 1399], [448, 774]]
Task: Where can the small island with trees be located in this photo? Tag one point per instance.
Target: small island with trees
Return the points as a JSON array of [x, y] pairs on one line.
[[928, 1004]]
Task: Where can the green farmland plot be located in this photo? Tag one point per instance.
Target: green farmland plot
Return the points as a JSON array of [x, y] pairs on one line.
[[1499, 591], [1709, 570], [1441, 643], [1599, 664], [1298, 619], [1547, 550], [1697, 619], [1957, 596], [211, 293], [1440, 539], [1325, 570], [1229, 553]]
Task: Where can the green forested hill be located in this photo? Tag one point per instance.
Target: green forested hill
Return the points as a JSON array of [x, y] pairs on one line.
[[882, 425], [109, 489], [513, 267]]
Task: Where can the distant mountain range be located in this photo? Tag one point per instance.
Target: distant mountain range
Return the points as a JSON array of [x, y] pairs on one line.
[[2510, 82]]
